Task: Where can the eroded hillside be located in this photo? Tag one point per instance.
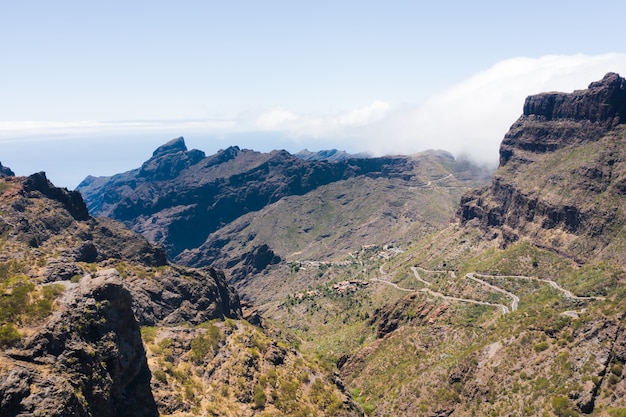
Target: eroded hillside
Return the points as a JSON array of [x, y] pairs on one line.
[[515, 308], [95, 321], [251, 214]]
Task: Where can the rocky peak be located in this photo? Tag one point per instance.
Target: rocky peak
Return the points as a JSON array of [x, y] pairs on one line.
[[230, 152], [554, 120], [603, 101], [5, 171], [169, 160], [173, 146], [71, 200]]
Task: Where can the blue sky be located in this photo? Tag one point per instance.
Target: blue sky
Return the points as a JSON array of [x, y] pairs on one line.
[[94, 87]]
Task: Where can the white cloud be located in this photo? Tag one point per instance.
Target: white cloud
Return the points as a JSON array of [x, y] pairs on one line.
[[470, 117], [275, 119], [473, 116], [364, 116], [46, 130], [339, 125]]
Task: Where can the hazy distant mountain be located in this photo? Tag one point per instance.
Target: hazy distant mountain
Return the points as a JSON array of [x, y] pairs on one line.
[[331, 155]]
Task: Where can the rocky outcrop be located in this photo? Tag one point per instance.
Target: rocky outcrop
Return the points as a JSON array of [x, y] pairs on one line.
[[183, 295], [554, 120], [169, 160], [603, 102], [252, 262], [561, 175], [88, 360], [5, 171], [72, 201]]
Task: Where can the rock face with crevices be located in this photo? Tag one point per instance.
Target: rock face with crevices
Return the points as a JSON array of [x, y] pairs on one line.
[[562, 175], [75, 291], [87, 360]]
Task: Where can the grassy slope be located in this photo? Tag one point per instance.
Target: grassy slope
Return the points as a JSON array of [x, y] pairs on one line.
[[449, 356], [231, 368], [332, 221]]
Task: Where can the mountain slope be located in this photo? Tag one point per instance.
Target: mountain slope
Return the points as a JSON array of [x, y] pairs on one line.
[[244, 211], [541, 331], [178, 197], [79, 299]]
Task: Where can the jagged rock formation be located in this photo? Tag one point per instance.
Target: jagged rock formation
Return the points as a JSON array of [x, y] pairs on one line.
[[74, 291], [562, 173], [555, 120], [87, 360], [179, 197]]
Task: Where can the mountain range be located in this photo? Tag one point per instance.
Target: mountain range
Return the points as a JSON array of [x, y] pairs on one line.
[[244, 211], [246, 283]]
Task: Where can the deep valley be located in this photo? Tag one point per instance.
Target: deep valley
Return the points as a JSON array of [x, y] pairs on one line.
[[327, 284]]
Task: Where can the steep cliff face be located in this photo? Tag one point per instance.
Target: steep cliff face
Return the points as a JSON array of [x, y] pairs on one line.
[[555, 120], [562, 173], [87, 360], [73, 292]]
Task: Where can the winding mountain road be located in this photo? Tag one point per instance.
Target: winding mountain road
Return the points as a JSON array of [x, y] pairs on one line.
[[515, 300], [502, 307]]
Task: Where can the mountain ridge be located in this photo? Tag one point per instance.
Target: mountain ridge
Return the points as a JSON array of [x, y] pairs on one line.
[[94, 320], [178, 198]]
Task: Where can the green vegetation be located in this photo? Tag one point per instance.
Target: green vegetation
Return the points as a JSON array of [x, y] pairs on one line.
[[205, 344], [22, 302], [148, 333], [617, 412], [561, 407], [8, 335], [242, 376]]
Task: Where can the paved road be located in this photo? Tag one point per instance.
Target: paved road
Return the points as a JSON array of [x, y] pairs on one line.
[[473, 276], [553, 284], [515, 298]]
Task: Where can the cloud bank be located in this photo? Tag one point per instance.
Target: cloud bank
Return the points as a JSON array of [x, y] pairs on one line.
[[473, 116], [468, 118]]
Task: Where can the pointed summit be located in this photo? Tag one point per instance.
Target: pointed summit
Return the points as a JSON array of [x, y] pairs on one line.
[[173, 146]]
